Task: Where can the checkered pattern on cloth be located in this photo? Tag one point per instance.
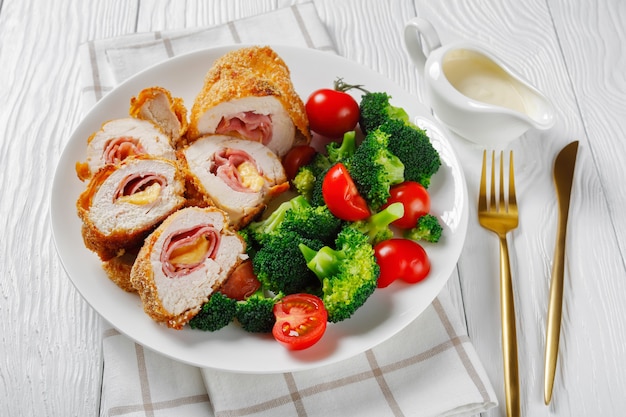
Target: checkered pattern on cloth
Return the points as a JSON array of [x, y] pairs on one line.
[[428, 369], [108, 62]]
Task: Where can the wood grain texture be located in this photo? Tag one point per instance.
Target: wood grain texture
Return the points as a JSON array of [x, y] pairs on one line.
[[595, 324], [50, 340], [593, 321], [50, 360], [370, 33]]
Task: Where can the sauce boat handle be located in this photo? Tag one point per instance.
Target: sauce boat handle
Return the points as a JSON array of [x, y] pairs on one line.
[[420, 38]]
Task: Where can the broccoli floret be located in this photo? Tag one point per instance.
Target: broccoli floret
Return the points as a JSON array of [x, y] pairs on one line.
[[340, 152], [413, 147], [317, 196], [248, 237], [307, 175], [216, 313], [295, 215], [312, 222], [304, 181], [348, 273], [376, 109], [374, 169], [277, 261], [427, 228], [258, 230], [255, 313], [279, 265], [376, 227]]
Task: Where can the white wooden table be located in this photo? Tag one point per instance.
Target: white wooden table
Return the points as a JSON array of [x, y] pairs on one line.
[[573, 51]]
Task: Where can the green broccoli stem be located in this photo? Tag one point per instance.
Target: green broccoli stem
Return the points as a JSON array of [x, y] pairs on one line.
[[344, 151], [386, 216], [348, 143], [323, 263], [376, 227], [273, 220]]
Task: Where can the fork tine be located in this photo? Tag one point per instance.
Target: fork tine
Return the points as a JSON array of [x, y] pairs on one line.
[[492, 196], [512, 199], [482, 194]]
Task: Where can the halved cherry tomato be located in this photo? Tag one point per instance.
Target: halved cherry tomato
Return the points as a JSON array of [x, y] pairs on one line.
[[401, 259], [300, 321], [296, 157], [341, 195], [332, 113], [415, 199]]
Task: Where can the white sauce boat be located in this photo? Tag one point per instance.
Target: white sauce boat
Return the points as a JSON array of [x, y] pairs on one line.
[[470, 90]]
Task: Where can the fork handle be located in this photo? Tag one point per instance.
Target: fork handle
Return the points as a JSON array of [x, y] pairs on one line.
[[509, 334]]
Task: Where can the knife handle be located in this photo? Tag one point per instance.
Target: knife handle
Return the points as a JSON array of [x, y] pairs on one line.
[[509, 333], [555, 305]]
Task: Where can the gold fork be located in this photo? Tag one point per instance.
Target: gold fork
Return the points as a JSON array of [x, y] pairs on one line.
[[501, 218]]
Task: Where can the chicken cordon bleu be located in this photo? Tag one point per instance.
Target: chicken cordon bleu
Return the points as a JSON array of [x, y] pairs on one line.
[[120, 138], [123, 203], [248, 93], [183, 261], [236, 175], [168, 113]]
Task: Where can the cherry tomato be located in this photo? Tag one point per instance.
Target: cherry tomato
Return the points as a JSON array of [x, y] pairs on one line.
[[332, 113], [401, 259], [415, 199], [241, 283], [300, 321], [341, 195], [297, 157]]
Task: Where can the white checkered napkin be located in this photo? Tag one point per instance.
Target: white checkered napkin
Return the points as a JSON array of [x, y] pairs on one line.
[[428, 369], [138, 382], [108, 62]]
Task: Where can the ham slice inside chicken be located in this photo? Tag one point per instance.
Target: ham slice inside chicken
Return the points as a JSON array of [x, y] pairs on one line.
[[185, 251], [118, 149], [237, 169], [248, 125], [140, 188]]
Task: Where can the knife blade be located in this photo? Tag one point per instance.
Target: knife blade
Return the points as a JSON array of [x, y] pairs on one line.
[[563, 177]]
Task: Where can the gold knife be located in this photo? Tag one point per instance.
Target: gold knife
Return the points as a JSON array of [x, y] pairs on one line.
[[563, 178]]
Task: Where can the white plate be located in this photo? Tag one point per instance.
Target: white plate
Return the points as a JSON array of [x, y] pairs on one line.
[[388, 311]]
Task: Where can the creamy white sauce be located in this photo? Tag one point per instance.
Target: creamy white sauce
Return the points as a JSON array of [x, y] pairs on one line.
[[479, 78]]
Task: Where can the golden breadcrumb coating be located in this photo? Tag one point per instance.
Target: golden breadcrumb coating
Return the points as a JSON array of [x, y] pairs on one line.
[[116, 243], [253, 71], [140, 108], [142, 279], [118, 270]]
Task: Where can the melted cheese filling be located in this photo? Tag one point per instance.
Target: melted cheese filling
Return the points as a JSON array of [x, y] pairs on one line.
[[190, 254], [147, 196], [250, 177]]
